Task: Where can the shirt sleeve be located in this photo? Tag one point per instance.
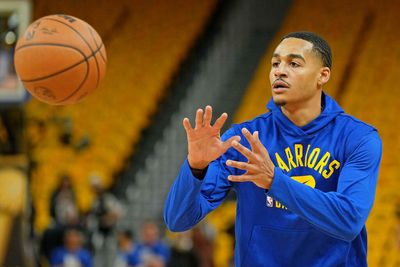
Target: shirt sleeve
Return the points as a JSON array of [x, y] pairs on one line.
[[341, 214], [86, 259], [164, 252], [56, 258], [191, 199]]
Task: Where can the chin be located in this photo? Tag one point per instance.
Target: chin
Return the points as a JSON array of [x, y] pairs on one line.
[[280, 101]]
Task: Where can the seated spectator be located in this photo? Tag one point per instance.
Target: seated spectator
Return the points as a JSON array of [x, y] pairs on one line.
[[72, 253], [152, 252], [104, 215], [182, 250], [63, 207], [65, 214], [127, 253]]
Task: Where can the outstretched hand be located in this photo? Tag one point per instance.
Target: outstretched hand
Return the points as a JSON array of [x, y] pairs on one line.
[[259, 168], [204, 140]]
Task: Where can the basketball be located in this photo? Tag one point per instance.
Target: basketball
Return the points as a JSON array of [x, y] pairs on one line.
[[60, 59]]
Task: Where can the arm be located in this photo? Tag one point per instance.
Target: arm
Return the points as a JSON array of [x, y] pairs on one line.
[[56, 258], [191, 198], [341, 214]]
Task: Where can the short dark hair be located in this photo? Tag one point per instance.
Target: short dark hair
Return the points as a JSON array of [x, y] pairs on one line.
[[127, 234], [320, 46]]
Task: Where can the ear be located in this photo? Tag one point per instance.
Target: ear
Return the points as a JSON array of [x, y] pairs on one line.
[[324, 76]]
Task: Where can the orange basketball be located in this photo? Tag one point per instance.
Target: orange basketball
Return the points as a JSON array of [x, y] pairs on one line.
[[60, 59]]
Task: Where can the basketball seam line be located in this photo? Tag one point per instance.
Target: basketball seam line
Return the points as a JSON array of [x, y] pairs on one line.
[[79, 86], [81, 36], [72, 28], [85, 58], [97, 63], [94, 39]]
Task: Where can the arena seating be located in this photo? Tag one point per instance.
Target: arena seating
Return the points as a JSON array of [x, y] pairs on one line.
[[364, 65], [13, 192], [299, 18], [372, 96], [146, 41]]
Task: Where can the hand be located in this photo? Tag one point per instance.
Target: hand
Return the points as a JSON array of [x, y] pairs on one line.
[[259, 168], [204, 141]]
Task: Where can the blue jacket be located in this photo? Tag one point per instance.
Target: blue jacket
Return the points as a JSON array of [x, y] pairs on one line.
[[60, 255], [158, 249], [315, 211]]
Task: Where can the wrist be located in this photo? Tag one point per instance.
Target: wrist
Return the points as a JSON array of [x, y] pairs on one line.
[[198, 173], [199, 165]]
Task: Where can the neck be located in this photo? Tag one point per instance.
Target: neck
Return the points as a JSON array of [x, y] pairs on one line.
[[304, 113], [127, 247]]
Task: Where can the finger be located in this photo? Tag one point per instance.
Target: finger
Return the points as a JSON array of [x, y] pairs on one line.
[[260, 147], [242, 166], [220, 121], [250, 139], [207, 115], [186, 125], [242, 178], [199, 118], [244, 151], [228, 143]]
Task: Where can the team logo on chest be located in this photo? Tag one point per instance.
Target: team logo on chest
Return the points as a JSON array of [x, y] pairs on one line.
[[301, 156], [292, 158]]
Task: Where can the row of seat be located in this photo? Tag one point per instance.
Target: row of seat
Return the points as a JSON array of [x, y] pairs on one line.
[[372, 97], [13, 192], [146, 43]]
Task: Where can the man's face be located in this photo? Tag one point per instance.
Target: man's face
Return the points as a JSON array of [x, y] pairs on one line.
[[124, 243], [73, 240], [150, 233], [295, 72]]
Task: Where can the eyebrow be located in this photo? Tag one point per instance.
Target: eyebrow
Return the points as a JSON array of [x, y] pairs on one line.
[[290, 56]]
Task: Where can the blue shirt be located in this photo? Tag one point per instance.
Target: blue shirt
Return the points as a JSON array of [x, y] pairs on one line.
[[315, 211], [159, 249], [130, 258], [60, 256]]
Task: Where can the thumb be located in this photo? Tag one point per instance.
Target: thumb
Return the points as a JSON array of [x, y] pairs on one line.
[[228, 143]]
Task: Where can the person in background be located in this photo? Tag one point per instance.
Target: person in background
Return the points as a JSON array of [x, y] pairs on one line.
[[127, 253], [203, 243], [63, 207], [151, 250], [64, 213], [72, 253], [104, 215], [183, 253]]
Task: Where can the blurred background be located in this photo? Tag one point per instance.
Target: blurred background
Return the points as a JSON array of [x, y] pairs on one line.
[[93, 176]]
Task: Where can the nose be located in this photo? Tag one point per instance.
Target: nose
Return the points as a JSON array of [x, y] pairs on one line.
[[280, 71]]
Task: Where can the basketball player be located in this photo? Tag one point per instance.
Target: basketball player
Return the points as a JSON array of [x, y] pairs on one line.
[[304, 173]]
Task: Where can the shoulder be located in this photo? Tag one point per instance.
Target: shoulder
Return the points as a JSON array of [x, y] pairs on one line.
[[59, 250], [355, 122], [57, 255], [85, 257], [84, 253], [133, 258], [356, 128], [357, 133]]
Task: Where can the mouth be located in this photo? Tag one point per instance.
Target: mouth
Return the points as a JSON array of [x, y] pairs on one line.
[[279, 86]]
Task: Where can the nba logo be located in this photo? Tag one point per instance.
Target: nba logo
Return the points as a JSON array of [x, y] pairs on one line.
[[270, 202]]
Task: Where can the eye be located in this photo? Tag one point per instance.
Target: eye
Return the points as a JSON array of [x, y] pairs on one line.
[[294, 64], [275, 64]]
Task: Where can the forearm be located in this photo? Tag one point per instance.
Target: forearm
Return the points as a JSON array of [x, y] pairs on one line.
[[183, 207], [334, 213]]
